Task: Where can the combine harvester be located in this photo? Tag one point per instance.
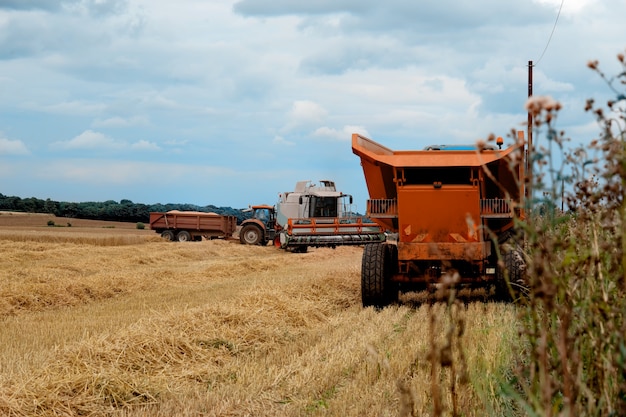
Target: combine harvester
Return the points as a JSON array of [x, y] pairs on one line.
[[450, 211], [310, 216]]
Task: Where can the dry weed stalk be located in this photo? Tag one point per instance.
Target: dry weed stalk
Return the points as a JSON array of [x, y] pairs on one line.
[[574, 357]]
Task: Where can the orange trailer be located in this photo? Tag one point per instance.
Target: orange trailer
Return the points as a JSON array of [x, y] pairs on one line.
[[448, 209]]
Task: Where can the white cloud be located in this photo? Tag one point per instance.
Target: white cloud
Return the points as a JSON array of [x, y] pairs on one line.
[[90, 140], [144, 145], [305, 113], [12, 147], [112, 172], [343, 134], [279, 140], [569, 7], [73, 108], [121, 122]]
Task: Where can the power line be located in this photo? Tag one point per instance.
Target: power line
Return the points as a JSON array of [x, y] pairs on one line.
[[551, 33]]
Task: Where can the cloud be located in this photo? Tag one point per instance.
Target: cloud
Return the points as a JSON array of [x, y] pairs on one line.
[[281, 141], [343, 134], [144, 145], [31, 5], [12, 147], [113, 172], [303, 114], [98, 8], [121, 122], [395, 14], [93, 7], [90, 140], [74, 108]]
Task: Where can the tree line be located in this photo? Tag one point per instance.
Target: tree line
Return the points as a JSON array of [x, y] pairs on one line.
[[110, 210]]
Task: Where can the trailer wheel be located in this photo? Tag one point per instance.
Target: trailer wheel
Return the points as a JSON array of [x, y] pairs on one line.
[[391, 267], [511, 280], [167, 235], [183, 236], [376, 287], [250, 235]]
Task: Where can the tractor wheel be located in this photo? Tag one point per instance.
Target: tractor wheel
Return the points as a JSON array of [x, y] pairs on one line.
[[376, 287], [183, 236], [511, 280], [167, 235], [391, 267], [250, 235]]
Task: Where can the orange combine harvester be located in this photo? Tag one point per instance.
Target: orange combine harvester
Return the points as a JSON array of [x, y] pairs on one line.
[[448, 212]]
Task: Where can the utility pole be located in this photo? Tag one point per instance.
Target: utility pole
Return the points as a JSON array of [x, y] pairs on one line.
[[530, 151]]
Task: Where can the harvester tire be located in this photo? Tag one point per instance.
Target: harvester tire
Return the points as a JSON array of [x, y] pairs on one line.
[[183, 236], [167, 235], [391, 267], [250, 235], [377, 290], [511, 280], [300, 249]]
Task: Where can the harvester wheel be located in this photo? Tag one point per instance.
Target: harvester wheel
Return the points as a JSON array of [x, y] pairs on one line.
[[376, 287], [183, 236], [511, 280], [167, 235], [250, 235]]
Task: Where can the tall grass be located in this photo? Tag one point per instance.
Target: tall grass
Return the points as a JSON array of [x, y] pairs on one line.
[[573, 359]]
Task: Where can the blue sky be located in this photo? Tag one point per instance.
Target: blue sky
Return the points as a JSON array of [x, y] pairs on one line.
[[230, 102]]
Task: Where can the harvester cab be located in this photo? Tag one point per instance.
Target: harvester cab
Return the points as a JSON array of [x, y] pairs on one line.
[[450, 209]]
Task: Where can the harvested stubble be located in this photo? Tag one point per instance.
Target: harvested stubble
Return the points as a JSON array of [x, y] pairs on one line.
[[218, 328]]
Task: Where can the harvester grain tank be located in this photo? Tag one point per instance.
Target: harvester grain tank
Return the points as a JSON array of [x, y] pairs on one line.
[[449, 209]]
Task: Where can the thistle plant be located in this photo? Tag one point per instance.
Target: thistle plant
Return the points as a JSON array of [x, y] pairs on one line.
[[573, 355]]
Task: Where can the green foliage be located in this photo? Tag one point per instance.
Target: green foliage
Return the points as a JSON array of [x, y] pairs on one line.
[[573, 360], [141, 225], [124, 211], [50, 222]]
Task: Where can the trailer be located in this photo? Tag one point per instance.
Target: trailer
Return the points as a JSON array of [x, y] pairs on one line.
[[184, 226], [451, 211]]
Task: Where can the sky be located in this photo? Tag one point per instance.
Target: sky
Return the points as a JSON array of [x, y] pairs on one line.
[[231, 102]]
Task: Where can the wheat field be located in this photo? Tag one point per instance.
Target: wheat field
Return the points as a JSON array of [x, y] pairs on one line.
[[109, 320]]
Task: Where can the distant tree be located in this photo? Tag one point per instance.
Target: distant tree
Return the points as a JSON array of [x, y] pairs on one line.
[[51, 207]]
